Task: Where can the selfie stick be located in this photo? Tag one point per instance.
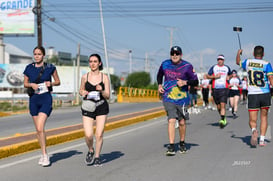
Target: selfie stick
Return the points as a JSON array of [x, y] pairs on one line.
[[238, 29]]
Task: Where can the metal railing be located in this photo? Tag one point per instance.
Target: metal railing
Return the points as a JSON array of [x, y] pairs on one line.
[[130, 94]]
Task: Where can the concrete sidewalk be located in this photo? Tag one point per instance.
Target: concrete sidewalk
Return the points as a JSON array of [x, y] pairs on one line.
[[28, 142]]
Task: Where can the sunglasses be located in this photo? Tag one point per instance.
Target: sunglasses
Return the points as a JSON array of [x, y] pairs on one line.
[[175, 52]]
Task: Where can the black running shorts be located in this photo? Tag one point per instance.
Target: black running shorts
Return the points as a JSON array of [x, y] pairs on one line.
[[220, 95], [257, 101]]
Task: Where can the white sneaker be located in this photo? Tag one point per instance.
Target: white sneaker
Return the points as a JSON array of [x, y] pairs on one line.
[[46, 161], [209, 107], [41, 160], [194, 110]]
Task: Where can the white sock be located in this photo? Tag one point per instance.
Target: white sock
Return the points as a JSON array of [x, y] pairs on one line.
[[253, 129], [262, 138]]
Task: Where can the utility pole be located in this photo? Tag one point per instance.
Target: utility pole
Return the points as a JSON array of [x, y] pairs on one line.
[[146, 68], [39, 22], [201, 63], [171, 35], [2, 50], [78, 75], [105, 49], [38, 11], [130, 61]]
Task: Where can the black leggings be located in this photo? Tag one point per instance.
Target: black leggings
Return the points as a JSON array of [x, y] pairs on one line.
[[205, 94]]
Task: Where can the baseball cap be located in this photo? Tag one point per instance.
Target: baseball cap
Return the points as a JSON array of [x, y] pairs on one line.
[[234, 71], [222, 57], [176, 49]]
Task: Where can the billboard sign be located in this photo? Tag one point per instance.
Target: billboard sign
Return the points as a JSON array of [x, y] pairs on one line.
[[17, 17], [12, 77]]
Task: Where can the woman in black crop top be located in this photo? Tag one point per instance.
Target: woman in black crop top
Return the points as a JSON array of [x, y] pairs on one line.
[[95, 86]]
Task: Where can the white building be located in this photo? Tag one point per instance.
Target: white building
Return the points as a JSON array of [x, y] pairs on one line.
[[14, 55]]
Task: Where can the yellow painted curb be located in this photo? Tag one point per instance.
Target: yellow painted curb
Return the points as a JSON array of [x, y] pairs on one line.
[[72, 135]]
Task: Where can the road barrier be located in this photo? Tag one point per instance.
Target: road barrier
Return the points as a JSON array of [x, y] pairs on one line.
[[130, 94]]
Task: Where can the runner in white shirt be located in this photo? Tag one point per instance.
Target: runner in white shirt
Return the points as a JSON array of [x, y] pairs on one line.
[[244, 87], [220, 73], [260, 73], [234, 92], [205, 90]]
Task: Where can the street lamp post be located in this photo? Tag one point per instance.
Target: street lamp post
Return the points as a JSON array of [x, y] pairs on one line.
[[105, 48]]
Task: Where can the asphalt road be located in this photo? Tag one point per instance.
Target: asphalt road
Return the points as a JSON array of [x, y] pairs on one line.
[[20, 124], [137, 153]]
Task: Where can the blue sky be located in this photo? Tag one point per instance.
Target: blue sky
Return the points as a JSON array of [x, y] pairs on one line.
[[202, 28]]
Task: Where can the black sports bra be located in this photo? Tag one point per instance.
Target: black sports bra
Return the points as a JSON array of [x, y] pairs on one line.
[[90, 87]]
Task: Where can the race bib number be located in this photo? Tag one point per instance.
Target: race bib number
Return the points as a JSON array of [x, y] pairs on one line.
[[41, 89], [94, 95]]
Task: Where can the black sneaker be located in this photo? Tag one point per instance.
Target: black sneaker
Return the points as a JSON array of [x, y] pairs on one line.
[[89, 158], [182, 148], [170, 151], [235, 115], [97, 162]]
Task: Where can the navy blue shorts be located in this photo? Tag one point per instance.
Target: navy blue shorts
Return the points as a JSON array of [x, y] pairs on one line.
[[40, 103]]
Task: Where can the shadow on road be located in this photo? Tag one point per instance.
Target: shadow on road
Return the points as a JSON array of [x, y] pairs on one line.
[[63, 155], [214, 124], [107, 157], [245, 139]]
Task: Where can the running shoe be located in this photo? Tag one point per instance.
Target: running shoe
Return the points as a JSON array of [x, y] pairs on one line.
[[46, 161], [89, 158], [41, 160], [182, 148], [222, 123], [97, 162], [254, 138], [235, 116], [170, 151], [262, 143]]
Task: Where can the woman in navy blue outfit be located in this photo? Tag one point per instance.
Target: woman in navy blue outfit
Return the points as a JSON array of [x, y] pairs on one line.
[[95, 87], [37, 76]]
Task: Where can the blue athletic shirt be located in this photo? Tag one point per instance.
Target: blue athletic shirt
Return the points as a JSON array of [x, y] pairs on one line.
[[32, 72], [257, 71], [220, 83], [171, 72]]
